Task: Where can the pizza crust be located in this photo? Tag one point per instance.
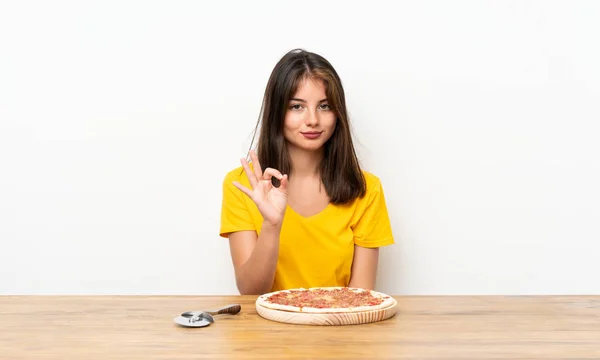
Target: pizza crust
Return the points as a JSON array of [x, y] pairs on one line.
[[263, 301]]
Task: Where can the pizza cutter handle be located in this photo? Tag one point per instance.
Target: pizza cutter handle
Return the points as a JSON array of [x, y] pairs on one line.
[[229, 309]]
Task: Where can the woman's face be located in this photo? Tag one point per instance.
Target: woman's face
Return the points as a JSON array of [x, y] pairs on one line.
[[309, 120]]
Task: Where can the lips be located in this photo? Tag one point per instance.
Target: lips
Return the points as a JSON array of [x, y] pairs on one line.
[[312, 134]]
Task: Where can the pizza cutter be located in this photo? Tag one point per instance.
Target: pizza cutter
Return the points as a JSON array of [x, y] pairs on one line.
[[205, 318]]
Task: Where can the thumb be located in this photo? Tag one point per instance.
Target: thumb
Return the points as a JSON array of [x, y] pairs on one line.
[[283, 183]]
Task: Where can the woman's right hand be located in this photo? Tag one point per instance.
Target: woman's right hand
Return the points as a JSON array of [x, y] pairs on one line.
[[270, 200]]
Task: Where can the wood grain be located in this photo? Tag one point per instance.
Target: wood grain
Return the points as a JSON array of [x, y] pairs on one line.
[[141, 327], [335, 319]]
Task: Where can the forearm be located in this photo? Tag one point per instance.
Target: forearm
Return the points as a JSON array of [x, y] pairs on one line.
[[364, 267], [257, 274]]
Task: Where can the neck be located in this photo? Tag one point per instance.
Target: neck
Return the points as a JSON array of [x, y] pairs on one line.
[[305, 163]]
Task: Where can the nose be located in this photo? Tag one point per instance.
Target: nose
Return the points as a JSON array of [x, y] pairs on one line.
[[312, 118]]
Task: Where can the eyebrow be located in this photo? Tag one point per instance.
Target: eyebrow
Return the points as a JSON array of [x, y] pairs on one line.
[[302, 100]]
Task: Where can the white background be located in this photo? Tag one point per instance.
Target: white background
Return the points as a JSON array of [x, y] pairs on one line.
[[119, 120]]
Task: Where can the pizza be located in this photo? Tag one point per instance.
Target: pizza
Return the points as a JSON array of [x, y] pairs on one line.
[[325, 300]]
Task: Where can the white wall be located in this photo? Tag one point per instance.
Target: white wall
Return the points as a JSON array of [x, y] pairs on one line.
[[119, 120]]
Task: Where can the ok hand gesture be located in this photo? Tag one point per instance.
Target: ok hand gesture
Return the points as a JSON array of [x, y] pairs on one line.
[[270, 200]]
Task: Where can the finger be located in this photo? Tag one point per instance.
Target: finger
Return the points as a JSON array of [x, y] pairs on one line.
[[284, 183], [249, 173], [244, 189], [270, 172], [256, 164]]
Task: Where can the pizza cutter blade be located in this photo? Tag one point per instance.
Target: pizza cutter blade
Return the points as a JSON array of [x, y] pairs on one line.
[[195, 321]]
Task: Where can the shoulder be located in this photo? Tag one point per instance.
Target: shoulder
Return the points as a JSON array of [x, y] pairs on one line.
[[236, 174], [373, 183], [231, 193], [230, 190], [374, 190]]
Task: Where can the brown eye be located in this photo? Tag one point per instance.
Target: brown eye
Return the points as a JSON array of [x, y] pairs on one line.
[[325, 107]]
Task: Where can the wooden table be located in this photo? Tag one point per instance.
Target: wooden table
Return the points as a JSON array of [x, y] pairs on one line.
[[141, 327]]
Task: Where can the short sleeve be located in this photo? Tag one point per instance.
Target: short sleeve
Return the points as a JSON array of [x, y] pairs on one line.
[[373, 228], [235, 215]]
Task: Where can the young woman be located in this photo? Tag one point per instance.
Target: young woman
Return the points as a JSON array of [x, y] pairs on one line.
[[303, 213]]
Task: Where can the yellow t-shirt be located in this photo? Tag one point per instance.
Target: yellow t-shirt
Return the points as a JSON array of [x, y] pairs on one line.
[[316, 250]]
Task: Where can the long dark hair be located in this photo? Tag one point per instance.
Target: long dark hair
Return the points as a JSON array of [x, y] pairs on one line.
[[340, 170]]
